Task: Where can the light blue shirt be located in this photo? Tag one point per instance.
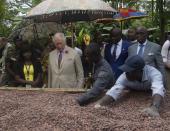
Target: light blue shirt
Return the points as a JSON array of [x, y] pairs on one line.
[[140, 47], [152, 79]]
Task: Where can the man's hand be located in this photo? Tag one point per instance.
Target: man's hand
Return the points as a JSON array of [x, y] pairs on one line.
[[152, 111], [88, 83], [106, 100], [32, 83], [98, 106]]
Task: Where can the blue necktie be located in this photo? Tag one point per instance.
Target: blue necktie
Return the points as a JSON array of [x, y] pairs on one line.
[[140, 52]]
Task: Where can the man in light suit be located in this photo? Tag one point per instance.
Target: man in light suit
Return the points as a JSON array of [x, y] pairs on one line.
[[149, 51], [65, 67]]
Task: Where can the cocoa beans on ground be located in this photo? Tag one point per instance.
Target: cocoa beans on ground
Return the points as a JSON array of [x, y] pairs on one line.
[[46, 111]]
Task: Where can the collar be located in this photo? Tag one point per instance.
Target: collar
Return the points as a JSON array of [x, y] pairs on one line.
[[63, 51], [134, 41], [120, 42], [143, 43], [145, 76]]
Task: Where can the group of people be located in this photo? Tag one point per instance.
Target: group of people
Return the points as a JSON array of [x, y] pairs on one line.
[[19, 66], [134, 63]]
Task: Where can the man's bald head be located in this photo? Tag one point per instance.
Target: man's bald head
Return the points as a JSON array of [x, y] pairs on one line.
[[142, 34], [59, 41], [143, 29], [116, 31], [116, 35]]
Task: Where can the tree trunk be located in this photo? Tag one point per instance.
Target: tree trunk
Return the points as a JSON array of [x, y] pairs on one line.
[[162, 21]]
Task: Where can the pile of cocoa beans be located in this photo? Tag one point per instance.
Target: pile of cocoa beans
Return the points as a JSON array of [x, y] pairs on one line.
[[47, 111]]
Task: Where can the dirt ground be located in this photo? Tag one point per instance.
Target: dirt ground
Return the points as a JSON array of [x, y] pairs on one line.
[[45, 111]]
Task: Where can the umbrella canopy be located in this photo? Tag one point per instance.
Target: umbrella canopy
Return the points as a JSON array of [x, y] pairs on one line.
[[28, 30], [123, 15], [126, 14], [70, 10]]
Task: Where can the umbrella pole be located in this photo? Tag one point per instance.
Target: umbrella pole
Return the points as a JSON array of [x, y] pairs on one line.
[[35, 31], [72, 40], [121, 25]]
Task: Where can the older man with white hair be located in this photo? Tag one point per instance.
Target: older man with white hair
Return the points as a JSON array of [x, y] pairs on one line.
[[65, 67]]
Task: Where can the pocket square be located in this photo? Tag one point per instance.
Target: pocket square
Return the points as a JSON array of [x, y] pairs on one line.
[[150, 54]]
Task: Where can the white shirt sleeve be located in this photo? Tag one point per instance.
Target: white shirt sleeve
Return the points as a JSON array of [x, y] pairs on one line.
[[117, 89], [165, 50], [157, 85]]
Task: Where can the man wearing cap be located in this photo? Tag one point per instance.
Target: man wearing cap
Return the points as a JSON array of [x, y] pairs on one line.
[[137, 76]]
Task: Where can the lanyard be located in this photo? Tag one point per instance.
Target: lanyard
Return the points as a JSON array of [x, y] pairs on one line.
[[27, 67]]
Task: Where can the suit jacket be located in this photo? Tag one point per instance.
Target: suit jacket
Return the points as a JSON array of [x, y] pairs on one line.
[[120, 61], [70, 73], [152, 55]]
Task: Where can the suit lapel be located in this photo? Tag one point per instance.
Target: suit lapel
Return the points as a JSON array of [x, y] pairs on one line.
[[122, 49], [54, 61], [147, 49], [135, 48], [64, 57]]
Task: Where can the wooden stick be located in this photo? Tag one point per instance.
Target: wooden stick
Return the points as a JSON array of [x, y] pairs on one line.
[[67, 90]]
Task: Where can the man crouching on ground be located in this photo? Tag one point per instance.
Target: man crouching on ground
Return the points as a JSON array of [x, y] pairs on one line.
[[103, 77], [137, 76]]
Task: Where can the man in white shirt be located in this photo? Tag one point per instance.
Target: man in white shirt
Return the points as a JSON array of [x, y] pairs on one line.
[[141, 77], [166, 52]]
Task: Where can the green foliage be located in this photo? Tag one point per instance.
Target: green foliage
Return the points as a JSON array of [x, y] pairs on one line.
[[80, 36], [11, 13], [2, 9], [10, 16], [36, 2]]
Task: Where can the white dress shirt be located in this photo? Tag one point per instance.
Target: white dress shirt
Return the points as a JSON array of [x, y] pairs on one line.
[[140, 46], [79, 51], [152, 79], [134, 42], [119, 48], [166, 51]]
